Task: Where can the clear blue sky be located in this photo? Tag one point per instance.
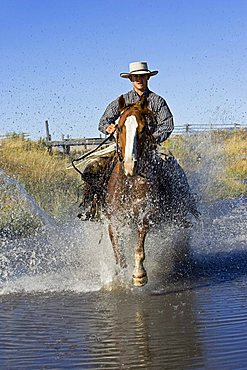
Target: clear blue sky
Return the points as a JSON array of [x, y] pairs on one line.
[[60, 60]]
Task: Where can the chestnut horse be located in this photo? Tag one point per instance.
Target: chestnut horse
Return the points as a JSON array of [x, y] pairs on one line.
[[134, 192]]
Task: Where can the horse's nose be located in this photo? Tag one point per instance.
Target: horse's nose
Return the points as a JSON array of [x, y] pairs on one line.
[[130, 168]]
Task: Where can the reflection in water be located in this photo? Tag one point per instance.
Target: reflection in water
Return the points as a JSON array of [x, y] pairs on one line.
[[203, 327], [99, 330], [155, 330]]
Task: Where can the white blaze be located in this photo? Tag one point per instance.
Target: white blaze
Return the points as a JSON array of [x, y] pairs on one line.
[[130, 147]]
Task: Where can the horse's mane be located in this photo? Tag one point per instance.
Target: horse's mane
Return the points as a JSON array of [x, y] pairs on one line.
[[140, 106], [140, 110]]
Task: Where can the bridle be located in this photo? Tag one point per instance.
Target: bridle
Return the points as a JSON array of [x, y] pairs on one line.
[[118, 148], [147, 130]]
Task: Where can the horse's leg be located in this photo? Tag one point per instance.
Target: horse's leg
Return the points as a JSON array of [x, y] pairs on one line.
[[116, 249], [139, 274]]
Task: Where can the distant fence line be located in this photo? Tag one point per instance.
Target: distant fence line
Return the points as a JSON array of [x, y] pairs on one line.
[[14, 134], [197, 128], [66, 143]]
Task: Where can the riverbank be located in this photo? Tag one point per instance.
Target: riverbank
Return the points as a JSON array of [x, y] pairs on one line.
[[215, 163], [42, 176]]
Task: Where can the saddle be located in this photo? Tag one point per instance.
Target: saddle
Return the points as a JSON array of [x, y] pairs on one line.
[[170, 178], [96, 176]]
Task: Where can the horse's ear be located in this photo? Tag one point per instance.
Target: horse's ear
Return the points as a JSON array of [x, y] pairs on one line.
[[121, 103], [143, 102]]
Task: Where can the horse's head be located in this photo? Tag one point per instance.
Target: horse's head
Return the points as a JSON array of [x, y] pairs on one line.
[[134, 133]]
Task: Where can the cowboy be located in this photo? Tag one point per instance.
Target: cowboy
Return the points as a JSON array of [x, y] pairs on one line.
[[171, 172], [139, 75]]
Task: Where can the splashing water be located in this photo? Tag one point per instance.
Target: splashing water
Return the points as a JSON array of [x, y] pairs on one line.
[[31, 203], [65, 257], [78, 256], [73, 257]]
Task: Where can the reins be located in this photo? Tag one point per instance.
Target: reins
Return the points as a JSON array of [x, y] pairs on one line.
[[118, 150], [88, 153]]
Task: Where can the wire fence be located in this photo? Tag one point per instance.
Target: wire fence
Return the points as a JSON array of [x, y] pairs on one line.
[[202, 127]]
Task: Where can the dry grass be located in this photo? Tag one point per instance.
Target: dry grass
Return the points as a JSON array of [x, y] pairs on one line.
[[215, 162], [218, 160], [45, 177], [15, 217]]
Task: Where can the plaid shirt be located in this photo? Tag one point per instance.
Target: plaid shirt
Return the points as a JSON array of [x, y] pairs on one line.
[[156, 104]]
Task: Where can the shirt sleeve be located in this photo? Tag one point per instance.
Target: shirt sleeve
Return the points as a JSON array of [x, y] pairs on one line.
[[110, 115], [165, 123]]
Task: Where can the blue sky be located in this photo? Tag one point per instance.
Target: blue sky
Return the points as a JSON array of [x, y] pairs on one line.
[[60, 60]]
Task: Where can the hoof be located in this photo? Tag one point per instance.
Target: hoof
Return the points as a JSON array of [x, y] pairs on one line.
[[140, 281]]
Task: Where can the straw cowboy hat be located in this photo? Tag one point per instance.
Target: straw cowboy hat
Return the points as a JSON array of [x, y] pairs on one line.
[[138, 68]]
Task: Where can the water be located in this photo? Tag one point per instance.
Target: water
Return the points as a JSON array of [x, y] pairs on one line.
[[203, 327], [63, 306], [30, 201]]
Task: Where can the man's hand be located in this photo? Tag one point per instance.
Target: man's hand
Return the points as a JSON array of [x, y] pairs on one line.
[[111, 128]]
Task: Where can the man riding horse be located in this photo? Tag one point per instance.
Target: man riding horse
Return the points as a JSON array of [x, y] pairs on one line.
[[170, 171], [139, 75]]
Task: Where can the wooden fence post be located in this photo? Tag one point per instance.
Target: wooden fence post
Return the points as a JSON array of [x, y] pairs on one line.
[[187, 127], [66, 147], [48, 136]]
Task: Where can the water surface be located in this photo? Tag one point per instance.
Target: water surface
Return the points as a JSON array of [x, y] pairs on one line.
[[62, 306]]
